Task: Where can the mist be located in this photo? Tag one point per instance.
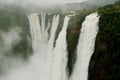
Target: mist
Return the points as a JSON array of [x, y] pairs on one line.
[[36, 2], [64, 5], [9, 39], [101, 2], [53, 2]]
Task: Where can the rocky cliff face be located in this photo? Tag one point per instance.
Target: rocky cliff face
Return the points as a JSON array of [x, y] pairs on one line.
[[105, 61], [104, 64]]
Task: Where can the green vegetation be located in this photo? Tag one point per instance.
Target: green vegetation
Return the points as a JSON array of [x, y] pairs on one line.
[[13, 16], [104, 64], [110, 8], [105, 61], [72, 39], [73, 32]]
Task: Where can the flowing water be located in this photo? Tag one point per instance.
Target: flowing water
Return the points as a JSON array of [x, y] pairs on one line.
[[85, 47], [47, 62], [49, 59]]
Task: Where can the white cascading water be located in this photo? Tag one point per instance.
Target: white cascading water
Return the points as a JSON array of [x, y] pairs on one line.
[[47, 62], [85, 47], [60, 54]]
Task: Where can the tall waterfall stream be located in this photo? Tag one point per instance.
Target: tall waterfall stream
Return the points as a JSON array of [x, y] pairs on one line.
[[49, 61]]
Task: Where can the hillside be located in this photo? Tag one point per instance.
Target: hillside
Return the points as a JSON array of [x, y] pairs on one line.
[[105, 61], [104, 64]]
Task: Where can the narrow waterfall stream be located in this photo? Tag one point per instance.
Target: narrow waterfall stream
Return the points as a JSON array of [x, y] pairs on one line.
[[85, 47]]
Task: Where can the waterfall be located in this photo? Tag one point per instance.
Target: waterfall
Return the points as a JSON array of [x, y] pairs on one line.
[[60, 54], [85, 47], [48, 62], [49, 59]]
